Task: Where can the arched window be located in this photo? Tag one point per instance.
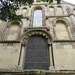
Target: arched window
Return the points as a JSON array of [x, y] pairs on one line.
[[36, 55], [13, 31], [51, 9], [37, 20], [24, 11], [59, 11], [61, 30]]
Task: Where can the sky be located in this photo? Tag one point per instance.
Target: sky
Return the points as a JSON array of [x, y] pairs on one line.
[[70, 1]]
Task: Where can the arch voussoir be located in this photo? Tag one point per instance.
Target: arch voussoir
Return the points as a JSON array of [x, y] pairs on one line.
[[43, 33]]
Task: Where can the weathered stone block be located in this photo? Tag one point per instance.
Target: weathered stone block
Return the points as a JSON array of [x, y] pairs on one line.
[[9, 55]]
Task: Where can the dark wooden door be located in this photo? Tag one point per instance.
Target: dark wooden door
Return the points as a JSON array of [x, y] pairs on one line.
[[36, 54]]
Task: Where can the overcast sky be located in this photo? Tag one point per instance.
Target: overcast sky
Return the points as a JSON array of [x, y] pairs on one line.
[[70, 1]]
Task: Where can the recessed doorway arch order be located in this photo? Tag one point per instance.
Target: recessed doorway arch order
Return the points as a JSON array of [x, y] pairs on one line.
[[38, 36]]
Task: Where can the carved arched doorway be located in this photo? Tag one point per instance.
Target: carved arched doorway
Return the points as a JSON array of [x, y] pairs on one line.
[[36, 50], [36, 56]]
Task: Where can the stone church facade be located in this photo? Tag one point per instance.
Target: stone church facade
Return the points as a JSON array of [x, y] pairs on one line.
[[43, 43]]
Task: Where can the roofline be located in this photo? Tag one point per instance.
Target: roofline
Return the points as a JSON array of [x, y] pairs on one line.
[[68, 2]]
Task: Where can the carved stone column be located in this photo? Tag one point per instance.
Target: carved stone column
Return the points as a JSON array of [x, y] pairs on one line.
[[50, 55], [69, 32], [54, 30], [51, 58], [22, 56]]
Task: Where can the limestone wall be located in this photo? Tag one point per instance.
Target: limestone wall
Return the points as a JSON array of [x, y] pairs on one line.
[[64, 55], [2, 28], [9, 55]]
